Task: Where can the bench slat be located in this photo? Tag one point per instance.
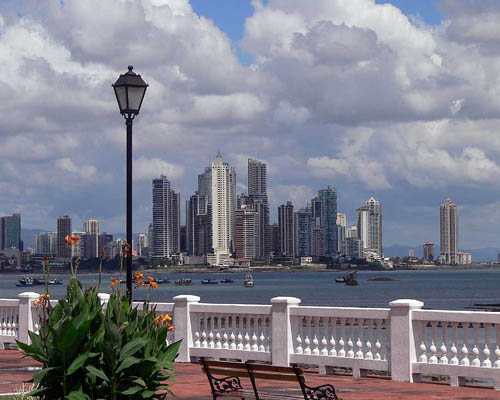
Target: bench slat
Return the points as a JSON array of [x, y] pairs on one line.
[[255, 367], [256, 375]]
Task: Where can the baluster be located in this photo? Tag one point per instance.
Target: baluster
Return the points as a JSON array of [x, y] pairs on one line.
[[324, 341], [247, 335], [342, 352], [465, 351], [4, 323], [444, 350], [454, 350], [475, 350], [387, 340], [204, 342], [350, 352], [497, 349], [486, 350], [240, 333], [423, 348], [225, 336], [232, 337], [269, 330], [307, 341], [433, 359], [378, 345], [211, 342], [262, 338], [255, 346], [333, 335], [15, 322], [369, 354], [299, 349], [359, 343], [197, 334], [315, 340], [8, 318], [217, 329]]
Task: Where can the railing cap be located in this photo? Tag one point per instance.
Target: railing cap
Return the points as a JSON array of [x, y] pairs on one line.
[[285, 300], [188, 298], [28, 295], [409, 303], [103, 296]]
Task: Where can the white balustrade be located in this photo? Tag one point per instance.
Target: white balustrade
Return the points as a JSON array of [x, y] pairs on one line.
[[9, 321]]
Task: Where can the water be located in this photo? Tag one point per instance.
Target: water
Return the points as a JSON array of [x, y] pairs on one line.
[[438, 289]]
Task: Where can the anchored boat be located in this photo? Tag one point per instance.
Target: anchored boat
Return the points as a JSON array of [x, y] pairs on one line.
[[248, 281]]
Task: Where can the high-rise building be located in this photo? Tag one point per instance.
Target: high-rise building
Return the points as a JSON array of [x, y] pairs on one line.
[[328, 197], [304, 225], [166, 219], [104, 242], [341, 229], [246, 232], [141, 245], [80, 249], [10, 232], [428, 252], [370, 226], [257, 180], [198, 225], [351, 232], [44, 243], [205, 183], [275, 239], [91, 228], [286, 229], [352, 247], [150, 239], [63, 230], [223, 208], [448, 232]]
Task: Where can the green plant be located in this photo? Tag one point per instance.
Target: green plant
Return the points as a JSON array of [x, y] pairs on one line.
[[89, 352]]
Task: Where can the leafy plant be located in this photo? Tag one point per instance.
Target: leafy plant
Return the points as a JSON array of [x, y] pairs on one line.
[[89, 352]]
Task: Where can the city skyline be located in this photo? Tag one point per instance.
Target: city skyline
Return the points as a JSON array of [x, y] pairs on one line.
[[413, 122]]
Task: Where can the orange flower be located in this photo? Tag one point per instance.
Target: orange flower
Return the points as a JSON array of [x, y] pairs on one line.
[[166, 318], [151, 279], [154, 285], [138, 276], [157, 320], [171, 328], [114, 282], [71, 240]]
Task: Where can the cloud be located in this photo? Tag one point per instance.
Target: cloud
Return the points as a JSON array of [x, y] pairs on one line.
[[148, 169]]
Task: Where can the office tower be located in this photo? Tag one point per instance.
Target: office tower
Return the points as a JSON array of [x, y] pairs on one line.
[[10, 232], [275, 239], [242, 200], [351, 232], [104, 241], [286, 229], [141, 245], [183, 239], [53, 243], [329, 219], [150, 239], [91, 228], [428, 252], [223, 208], [370, 226], [352, 247], [205, 183], [317, 234], [198, 225], [341, 229], [43, 243], [166, 219], [246, 232], [304, 225], [257, 180], [63, 230], [80, 249], [449, 232]]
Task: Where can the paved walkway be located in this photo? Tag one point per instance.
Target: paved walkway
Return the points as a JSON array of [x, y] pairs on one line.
[[193, 385]]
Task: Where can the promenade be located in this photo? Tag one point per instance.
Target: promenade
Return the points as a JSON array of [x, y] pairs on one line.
[[193, 385]]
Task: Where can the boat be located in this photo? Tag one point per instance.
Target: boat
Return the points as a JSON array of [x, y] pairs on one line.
[[183, 282], [55, 281], [209, 282], [351, 279], [226, 280], [160, 281], [340, 279], [248, 281], [24, 282]]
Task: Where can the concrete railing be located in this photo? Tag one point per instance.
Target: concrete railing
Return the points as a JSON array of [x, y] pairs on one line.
[[402, 340]]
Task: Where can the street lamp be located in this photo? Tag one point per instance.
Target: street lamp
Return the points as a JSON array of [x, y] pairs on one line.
[[130, 89]]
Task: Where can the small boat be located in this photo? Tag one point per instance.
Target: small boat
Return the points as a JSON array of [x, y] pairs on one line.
[[226, 280], [209, 282], [340, 279], [38, 281], [248, 281], [351, 279], [160, 281], [183, 282], [55, 281], [26, 281]]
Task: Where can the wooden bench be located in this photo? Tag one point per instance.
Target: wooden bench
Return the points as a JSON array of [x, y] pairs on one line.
[[229, 385]]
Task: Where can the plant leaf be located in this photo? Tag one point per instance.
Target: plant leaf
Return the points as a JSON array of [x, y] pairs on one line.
[[132, 390], [128, 362], [97, 372], [132, 347], [78, 363]]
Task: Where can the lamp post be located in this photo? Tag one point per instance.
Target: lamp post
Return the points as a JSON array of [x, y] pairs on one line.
[[129, 89]]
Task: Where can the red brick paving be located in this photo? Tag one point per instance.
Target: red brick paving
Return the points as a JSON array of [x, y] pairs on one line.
[[193, 385]]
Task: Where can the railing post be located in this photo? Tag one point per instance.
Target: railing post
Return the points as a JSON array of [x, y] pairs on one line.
[[182, 322], [25, 315], [282, 340], [403, 353]]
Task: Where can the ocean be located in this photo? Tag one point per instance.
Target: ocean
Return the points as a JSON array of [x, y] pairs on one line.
[[438, 289]]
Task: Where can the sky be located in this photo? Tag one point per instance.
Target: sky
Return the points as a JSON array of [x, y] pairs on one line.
[[397, 100]]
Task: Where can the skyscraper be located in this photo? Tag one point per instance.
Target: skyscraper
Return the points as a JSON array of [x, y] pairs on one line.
[[257, 180], [198, 225], [141, 245], [246, 232], [10, 232], [328, 197], [205, 183], [43, 243], [63, 230], [448, 232], [370, 226], [91, 228], [223, 208], [341, 229], [166, 219], [286, 229], [304, 225]]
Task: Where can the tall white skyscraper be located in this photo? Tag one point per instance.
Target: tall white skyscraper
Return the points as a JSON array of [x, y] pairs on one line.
[[223, 208], [448, 232], [370, 226], [166, 219], [91, 228]]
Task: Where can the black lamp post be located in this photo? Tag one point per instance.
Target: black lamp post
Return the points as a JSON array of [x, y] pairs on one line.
[[130, 89]]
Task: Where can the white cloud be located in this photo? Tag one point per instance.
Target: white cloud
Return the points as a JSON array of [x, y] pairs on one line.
[[146, 169]]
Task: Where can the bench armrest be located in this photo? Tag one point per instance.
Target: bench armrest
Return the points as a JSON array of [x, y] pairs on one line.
[[323, 392], [226, 384]]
